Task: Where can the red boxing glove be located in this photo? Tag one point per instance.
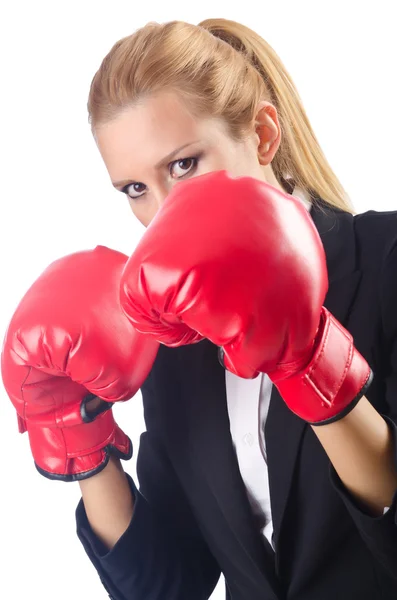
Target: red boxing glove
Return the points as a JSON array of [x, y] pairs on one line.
[[69, 341], [241, 263]]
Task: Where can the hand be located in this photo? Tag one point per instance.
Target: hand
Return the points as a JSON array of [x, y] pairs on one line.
[[241, 263], [69, 342]]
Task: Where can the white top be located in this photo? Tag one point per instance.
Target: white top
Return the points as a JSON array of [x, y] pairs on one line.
[[248, 404]]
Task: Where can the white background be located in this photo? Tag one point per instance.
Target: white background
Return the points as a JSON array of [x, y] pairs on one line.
[[56, 196]]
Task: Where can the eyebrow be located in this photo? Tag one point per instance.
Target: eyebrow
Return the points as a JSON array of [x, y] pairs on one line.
[[163, 161]]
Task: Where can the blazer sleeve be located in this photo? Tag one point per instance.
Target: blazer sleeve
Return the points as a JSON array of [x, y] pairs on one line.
[[162, 553], [380, 533]]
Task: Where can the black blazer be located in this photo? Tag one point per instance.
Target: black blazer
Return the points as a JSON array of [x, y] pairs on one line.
[[192, 519]]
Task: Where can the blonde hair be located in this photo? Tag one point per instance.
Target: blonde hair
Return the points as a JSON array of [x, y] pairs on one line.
[[222, 69]]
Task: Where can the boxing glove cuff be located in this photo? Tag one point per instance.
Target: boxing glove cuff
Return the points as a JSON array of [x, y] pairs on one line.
[[72, 453], [333, 382]]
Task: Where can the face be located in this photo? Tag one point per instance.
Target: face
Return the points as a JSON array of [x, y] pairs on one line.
[[150, 147]]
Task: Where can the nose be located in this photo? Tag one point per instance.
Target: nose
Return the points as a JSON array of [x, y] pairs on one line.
[[159, 200], [160, 195]]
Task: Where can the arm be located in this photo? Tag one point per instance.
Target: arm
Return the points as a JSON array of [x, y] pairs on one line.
[[145, 544], [360, 447], [107, 498], [369, 442], [108, 503]]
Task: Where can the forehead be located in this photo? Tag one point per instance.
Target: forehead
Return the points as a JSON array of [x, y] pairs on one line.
[[143, 134]]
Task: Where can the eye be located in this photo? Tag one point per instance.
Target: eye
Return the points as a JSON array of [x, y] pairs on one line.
[[185, 165], [134, 190]]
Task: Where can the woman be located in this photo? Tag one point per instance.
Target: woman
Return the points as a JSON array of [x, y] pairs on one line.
[[236, 475]]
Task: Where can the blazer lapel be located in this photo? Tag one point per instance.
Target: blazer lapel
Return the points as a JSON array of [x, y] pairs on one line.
[[208, 444], [283, 429]]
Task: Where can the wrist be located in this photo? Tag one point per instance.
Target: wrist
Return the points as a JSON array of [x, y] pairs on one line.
[[108, 502]]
